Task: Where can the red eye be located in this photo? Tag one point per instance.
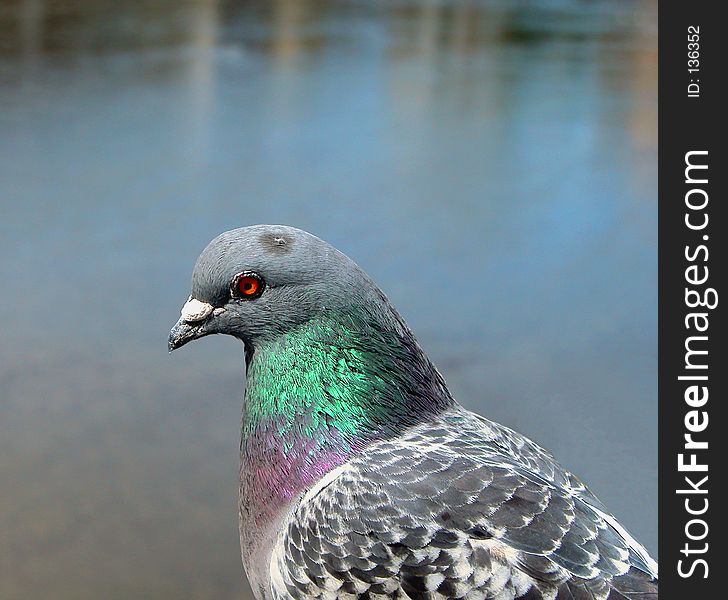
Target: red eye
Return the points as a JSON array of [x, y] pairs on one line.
[[247, 285]]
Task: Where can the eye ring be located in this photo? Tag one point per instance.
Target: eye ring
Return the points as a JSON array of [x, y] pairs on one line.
[[247, 285]]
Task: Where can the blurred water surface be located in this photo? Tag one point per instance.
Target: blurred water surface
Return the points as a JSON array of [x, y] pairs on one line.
[[491, 164]]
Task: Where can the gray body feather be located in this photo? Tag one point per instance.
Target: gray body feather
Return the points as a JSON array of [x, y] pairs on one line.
[[457, 508]]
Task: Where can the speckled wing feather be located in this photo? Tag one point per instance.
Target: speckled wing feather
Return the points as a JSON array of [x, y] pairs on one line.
[[457, 508]]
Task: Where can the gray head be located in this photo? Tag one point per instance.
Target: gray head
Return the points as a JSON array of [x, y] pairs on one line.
[[261, 281]]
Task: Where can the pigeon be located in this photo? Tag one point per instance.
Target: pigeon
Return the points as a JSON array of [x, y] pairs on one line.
[[360, 475]]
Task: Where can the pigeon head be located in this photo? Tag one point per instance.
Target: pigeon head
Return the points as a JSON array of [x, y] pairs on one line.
[[259, 282], [330, 365]]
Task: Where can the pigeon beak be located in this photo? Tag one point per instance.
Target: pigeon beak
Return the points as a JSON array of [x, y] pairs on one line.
[[190, 325], [181, 333]]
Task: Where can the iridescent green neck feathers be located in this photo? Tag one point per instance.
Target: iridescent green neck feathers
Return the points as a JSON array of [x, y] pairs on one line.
[[323, 391]]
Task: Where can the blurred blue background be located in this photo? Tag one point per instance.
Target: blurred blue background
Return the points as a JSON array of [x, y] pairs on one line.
[[508, 144]]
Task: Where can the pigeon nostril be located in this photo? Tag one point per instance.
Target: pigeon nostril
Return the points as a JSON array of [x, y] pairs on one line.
[[194, 310]]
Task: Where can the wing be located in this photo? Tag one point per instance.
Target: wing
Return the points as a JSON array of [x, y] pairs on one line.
[[454, 512]]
